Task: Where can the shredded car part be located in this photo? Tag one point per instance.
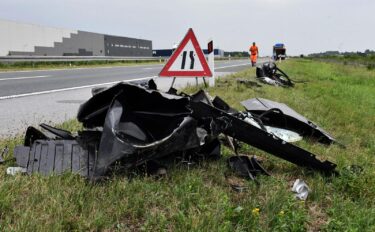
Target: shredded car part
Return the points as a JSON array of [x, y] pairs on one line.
[[279, 115], [63, 134], [57, 156], [269, 81], [221, 122], [148, 124], [130, 125], [245, 167], [33, 134], [286, 135], [133, 125], [269, 73]]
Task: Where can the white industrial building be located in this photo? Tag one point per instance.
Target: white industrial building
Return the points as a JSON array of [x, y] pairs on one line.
[[34, 40], [24, 37]]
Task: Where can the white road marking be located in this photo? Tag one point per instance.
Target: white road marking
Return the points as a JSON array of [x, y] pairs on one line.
[[21, 78], [87, 86], [71, 88], [106, 67], [230, 66]]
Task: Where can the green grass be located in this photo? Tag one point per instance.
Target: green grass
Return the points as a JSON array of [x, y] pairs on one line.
[[339, 98], [353, 60], [41, 65]]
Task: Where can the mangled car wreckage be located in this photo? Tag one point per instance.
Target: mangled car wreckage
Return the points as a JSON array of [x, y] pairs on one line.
[[129, 125], [269, 73]]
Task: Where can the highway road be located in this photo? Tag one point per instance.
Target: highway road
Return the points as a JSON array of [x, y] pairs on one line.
[[15, 84], [53, 96]]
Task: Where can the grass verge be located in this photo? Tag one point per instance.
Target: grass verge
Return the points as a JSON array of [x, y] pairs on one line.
[[339, 98], [367, 61]]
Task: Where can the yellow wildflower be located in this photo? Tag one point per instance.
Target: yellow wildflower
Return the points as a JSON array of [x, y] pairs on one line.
[[256, 211]]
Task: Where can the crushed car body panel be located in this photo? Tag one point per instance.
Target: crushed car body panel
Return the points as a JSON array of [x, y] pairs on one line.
[[93, 112], [280, 115], [142, 125], [139, 125], [221, 122], [129, 125]]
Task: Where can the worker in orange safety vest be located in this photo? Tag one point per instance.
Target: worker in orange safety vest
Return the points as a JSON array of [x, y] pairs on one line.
[[253, 54]]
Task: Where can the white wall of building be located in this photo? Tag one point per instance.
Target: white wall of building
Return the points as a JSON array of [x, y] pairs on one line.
[[24, 37]]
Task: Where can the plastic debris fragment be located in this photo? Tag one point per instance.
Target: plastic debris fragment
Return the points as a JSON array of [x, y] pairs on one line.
[[300, 189]]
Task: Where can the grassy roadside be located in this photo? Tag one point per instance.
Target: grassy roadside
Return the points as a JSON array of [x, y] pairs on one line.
[[46, 65], [339, 98], [352, 60]]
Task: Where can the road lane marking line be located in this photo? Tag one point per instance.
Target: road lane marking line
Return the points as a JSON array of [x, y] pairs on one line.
[[71, 88], [106, 67], [230, 66], [21, 78], [94, 85]]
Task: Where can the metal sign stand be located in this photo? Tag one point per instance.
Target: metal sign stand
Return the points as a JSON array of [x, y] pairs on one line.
[[204, 81], [196, 81], [174, 79]]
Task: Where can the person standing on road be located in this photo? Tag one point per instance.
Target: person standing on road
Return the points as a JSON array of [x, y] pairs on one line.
[[253, 54]]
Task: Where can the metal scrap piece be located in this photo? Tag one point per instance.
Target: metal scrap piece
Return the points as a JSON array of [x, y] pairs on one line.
[[221, 122], [63, 134], [245, 167], [280, 115], [286, 135], [93, 112], [269, 73], [138, 131], [33, 134], [135, 125], [221, 104]]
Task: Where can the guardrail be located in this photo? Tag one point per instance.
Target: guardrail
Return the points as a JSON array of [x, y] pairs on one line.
[[13, 59]]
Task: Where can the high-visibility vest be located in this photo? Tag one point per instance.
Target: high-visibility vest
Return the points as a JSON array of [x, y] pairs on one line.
[[253, 50]]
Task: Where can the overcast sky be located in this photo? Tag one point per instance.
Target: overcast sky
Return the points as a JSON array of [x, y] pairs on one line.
[[305, 26]]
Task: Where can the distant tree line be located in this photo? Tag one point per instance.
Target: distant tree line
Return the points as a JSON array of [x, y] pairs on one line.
[[366, 53], [366, 58]]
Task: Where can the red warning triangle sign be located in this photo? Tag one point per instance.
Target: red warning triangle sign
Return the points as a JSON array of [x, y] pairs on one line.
[[187, 60]]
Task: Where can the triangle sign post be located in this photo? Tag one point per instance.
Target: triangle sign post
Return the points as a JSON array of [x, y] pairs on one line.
[[187, 60]]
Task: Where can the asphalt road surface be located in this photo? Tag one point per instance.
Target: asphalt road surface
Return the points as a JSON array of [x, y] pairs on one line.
[[53, 96]]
